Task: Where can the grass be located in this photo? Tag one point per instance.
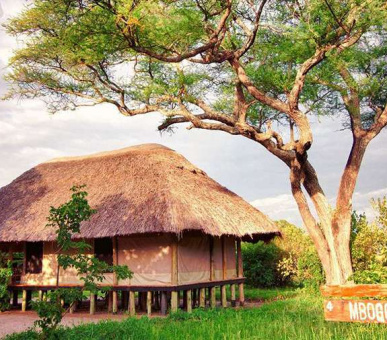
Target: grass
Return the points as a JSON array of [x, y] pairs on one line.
[[288, 314]]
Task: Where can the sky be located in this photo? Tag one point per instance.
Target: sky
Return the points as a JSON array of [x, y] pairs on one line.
[[29, 135]]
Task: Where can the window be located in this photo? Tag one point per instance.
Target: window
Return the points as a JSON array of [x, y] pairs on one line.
[[103, 250], [34, 257]]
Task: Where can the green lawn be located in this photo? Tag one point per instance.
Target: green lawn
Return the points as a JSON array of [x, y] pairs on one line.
[[286, 315]]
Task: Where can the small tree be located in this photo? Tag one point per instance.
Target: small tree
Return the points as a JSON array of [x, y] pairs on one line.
[[67, 219]]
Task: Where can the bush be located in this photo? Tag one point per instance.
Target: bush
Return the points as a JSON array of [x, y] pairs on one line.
[[290, 260], [5, 276], [260, 264], [369, 246]]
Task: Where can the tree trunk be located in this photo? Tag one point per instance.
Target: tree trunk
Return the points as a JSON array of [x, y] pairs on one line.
[[334, 228]]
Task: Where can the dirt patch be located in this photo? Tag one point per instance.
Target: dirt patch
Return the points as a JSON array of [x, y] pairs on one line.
[[17, 321]]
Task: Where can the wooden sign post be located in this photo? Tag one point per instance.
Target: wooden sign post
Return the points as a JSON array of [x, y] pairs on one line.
[[366, 311]]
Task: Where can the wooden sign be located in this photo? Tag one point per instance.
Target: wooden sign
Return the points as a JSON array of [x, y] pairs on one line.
[[367, 311]]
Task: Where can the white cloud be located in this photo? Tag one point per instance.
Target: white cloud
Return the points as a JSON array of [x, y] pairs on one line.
[[284, 207], [279, 207]]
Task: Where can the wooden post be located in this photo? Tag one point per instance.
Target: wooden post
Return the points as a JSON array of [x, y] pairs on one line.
[[174, 275], [164, 303], [202, 297], [110, 301], [213, 297], [132, 304], [92, 303], [115, 281], [73, 307], [240, 273], [149, 303], [224, 296], [189, 301], [224, 273], [24, 301], [233, 300], [24, 258], [212, 274], [115, 302], [40, 295], [212, 267]]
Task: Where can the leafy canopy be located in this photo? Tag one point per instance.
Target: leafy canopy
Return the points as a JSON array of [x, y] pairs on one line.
[[125, 53]]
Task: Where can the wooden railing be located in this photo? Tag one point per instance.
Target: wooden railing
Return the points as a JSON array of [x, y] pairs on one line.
[[369, 305]]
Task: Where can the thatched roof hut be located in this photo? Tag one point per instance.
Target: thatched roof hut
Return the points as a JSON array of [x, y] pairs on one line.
[[141, 189], [172, 225]]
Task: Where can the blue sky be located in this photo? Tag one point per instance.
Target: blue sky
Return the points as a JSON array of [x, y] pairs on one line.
[[30, 135]]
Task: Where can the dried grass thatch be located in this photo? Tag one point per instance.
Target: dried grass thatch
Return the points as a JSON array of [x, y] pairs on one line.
[[142, 189]]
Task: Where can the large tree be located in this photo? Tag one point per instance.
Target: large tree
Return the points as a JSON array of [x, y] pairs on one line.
[[254, 68]]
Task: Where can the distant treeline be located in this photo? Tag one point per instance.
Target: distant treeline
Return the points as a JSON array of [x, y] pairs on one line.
[[291, 260]]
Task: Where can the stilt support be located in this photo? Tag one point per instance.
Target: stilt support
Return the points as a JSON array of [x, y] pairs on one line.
[[92, 303], [223, 296], [24, 301], [149, 303], [132, 304], [202, 297], [233, 300], [241, 295], [73, 307], [164, 303], [174, 302], [212, 297], [189, 301], [115, 302]]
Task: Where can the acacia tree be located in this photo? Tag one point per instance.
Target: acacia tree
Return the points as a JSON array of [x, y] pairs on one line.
[[253, 68]]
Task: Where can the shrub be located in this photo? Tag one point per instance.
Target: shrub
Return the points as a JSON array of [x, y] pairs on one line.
[[369, 245], [5, 276], [287, 260], [292, 259], [260, 264]]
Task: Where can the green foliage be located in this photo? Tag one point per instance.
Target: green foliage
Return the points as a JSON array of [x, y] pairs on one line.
[[369, 246], [79, 53], [5, 276], [259, 264], [67, 218], [299, 316], [293, 260], [287, 260]]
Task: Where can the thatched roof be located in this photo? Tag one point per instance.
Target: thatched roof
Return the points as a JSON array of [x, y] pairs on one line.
[[141, 189]]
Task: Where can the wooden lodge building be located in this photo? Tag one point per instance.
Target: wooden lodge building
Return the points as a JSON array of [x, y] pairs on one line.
[[174, 227]]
